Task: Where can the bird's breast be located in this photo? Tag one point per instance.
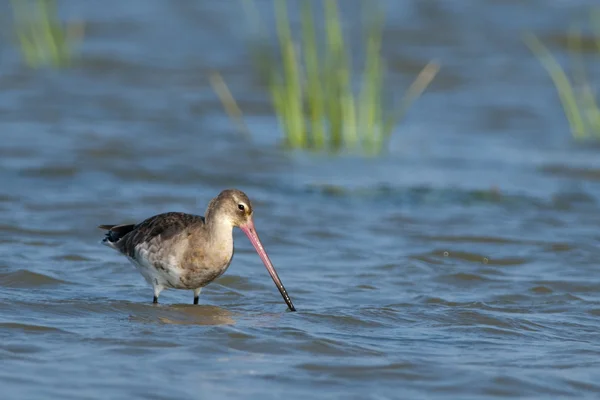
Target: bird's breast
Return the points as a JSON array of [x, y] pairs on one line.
[[201, 265]]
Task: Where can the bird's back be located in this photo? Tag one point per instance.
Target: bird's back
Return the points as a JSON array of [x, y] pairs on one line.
[[162, 227]]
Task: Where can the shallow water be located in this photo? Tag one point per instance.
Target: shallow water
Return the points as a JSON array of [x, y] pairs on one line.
[[463, 264]]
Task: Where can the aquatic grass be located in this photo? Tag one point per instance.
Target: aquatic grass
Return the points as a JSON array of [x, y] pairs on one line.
[[578, 99], [312, 89], [228, 101], [43, 40]]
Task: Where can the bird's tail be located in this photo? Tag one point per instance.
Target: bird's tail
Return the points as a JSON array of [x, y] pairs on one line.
[[115, 233]]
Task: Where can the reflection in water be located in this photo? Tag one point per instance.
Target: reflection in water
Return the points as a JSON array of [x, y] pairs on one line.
[[185, 314], [43, 39]]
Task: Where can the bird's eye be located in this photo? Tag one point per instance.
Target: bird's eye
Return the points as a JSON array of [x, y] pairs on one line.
[[241, 207]]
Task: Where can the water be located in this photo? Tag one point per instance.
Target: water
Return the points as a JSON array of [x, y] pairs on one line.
[[463, 264]]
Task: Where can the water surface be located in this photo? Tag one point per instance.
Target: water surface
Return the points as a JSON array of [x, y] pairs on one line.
[[462, 264]]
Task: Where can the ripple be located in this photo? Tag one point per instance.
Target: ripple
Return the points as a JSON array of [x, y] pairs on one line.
[[344, 320], [30, 328], [470, 239], [363, 370], [443, 256], [71, 257], [462, 277], [425, 195], [30, 232], [591, 174], [541, 290], [27, 279], [580, 385], [509, 386], [329, 347], [52, 171], [572, 287], [21, 349]]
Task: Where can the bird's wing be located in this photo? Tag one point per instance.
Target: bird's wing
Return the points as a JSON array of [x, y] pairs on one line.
[[127, 237]]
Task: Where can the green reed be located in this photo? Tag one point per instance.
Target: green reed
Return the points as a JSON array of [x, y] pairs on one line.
[[312, 86], [43, 39], [575, 92]]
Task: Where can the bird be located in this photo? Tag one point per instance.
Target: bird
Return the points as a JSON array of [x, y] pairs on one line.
[[186, 251]]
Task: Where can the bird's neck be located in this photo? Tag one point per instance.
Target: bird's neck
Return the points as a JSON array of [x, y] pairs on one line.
[[220, 230]]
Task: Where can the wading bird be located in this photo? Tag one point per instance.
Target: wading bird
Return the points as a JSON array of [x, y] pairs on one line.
[[185, 251]]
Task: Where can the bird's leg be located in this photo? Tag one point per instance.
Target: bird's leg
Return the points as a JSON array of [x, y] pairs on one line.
[[157, 289], [196, 295]]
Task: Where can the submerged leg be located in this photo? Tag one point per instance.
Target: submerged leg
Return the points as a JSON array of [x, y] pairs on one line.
[[157, 290], [196, 295]]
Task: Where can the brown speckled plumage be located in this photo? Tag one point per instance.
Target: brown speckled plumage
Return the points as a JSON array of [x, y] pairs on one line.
[[185, 251], [165, 226]]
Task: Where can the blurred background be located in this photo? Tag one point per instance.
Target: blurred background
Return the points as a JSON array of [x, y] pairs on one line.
[[424, 175]]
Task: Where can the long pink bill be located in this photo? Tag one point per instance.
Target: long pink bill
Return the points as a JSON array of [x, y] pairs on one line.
[[249, 230]]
